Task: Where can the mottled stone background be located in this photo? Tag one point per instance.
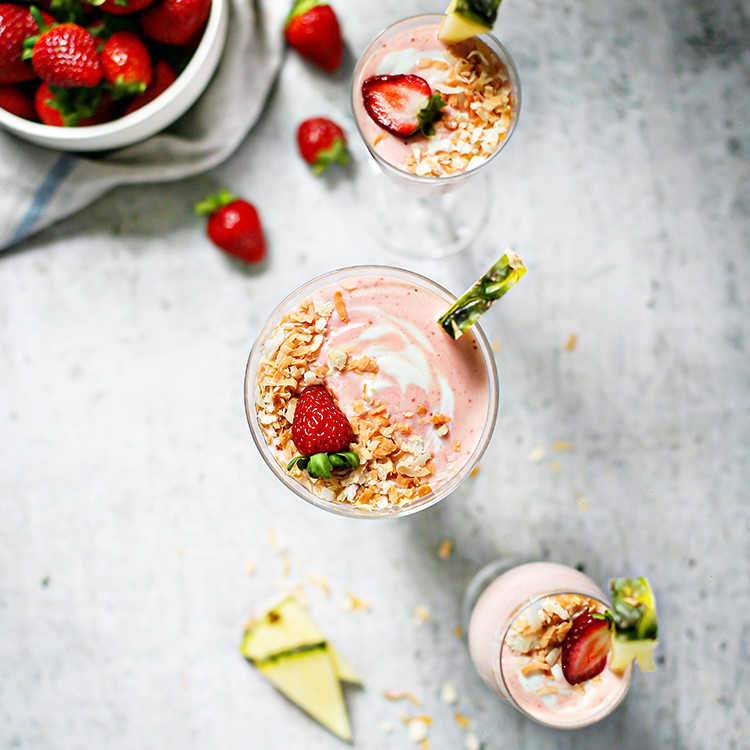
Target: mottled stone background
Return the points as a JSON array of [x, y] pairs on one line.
[[134, 506]]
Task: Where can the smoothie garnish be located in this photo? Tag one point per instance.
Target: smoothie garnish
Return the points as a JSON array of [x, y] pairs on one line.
[[321, 432], [403, 104], [585, 648], [477, 300], [466, 18], [636, 628]]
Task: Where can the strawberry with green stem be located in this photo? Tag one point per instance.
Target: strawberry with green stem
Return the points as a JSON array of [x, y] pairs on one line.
[[163, 77], [313, 30], [233, 226], [65, 55], [126, 64], [403, 104], [322, 143], [322, 433], [72, 107]]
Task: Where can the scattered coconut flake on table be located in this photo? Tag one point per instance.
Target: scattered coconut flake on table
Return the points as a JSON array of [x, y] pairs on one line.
[[274, 540], [319, 582], [536, 455], [422, 614], [562, 445], [571, 343], [417, 729], [556, 466], [401, 695], [354, 604], [461, 719], [448, 693], [444, 551], [471, 742]]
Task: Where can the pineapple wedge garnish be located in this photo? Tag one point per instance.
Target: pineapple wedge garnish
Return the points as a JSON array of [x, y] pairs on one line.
[[467, 18], [636, 629]]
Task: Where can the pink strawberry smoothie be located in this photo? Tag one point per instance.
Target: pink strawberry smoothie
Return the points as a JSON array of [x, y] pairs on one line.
[[550, 699], [462, 140], [422, 374], [421, 406]]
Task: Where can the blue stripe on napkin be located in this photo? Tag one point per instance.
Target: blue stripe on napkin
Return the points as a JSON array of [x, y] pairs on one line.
[[44, 195]]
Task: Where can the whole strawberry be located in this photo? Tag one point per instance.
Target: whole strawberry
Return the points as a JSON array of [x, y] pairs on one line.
[[233, 226], [126, 63], [322, 143], [64, 54], [72, 107], [175, 22], [17, 101], [322, 433], [120, 7], [163, 77], [313, 30], [16, 25]]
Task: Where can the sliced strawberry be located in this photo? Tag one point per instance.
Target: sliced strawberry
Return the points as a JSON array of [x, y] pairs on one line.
[[585, 648], [402, 104]]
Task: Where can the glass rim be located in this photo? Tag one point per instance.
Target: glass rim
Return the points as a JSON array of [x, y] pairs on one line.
[[339, 508], [497, 47], [605, 709]]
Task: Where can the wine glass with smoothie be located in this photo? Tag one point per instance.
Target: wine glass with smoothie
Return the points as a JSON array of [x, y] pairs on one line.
[[435, 98], [547, 639], [371, 393]]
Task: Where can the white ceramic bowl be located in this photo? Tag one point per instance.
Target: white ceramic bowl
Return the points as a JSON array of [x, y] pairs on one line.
[[147, 120]]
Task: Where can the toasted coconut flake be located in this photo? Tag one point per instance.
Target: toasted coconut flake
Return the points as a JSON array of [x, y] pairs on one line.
[[461, 719], [445, 549], [563, 445], [338, 301], [402, 695], [448, 693], [319, 581], [570, 344]]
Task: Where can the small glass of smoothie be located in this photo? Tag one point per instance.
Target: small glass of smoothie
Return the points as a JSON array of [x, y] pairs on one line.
[[518, 620], [432, 193], [421, 406]]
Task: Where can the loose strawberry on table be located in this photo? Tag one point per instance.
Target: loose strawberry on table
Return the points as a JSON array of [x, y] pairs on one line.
[[313, 30], [321, 143], [402, 104], [16, 25], [234, 226]]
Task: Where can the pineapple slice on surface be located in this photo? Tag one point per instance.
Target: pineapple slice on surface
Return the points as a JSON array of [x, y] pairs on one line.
[[467, 18], [636, 628], [307, 677]]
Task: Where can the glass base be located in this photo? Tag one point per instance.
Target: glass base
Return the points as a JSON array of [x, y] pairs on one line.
[[419, 226]]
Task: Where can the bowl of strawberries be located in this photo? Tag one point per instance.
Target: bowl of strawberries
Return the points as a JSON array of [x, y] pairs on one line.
[[96, 75]]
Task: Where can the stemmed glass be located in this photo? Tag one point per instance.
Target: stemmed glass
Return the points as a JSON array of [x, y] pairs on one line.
[[422, 215]]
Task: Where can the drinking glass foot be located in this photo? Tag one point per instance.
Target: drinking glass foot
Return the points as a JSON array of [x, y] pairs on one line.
[[424, 226]]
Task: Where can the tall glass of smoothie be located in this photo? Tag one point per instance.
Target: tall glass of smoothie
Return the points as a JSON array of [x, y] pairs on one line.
[[420, 405], [437, 192], [520, 618]]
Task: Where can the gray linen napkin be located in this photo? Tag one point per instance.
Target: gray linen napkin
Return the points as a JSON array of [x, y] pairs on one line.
[[40, 186]]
